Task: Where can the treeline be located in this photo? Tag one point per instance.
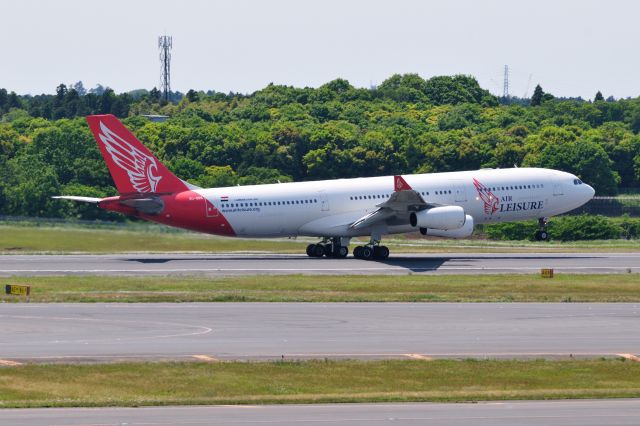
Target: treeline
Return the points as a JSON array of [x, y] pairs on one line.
[[281, 133]]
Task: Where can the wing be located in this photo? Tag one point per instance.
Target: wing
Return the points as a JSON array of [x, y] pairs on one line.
[[139, 166], [397, 208]]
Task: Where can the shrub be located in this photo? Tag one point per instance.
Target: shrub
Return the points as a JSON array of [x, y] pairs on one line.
[[569, 228]]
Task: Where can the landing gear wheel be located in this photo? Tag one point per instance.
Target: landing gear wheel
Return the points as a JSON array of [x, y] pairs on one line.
[[380, 252], [310, 250], [357, 252], [541, 235], [318, 251], [315, 250], [367, 252], [328, 250], [342, 252]]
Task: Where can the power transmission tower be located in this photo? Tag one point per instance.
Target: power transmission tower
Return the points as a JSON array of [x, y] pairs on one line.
[[165, 43], [505, 86]]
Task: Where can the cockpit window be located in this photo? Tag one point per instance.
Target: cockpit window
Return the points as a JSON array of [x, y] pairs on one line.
[[577, 182]]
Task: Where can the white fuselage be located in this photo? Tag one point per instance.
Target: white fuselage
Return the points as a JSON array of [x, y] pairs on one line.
[[326, 208]]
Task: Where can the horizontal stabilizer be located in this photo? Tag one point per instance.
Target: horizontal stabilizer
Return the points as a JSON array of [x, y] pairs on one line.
[[92, 200]]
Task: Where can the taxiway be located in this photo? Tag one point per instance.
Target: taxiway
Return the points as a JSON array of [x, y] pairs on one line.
[[237, 331]]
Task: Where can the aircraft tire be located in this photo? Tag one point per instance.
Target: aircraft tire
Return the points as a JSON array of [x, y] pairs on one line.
[[342, 252], [357, 252], [310, 250], [380, 252], [318, 250], [367, 252]]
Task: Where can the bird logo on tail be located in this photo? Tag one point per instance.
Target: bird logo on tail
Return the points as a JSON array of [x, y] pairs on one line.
[[141, 168]]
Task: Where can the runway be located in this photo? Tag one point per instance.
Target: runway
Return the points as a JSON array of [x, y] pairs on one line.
[[255, 264], [612, 412], [239, 331]]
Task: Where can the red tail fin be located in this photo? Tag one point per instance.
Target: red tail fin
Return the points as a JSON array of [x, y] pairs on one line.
[[132, 166]]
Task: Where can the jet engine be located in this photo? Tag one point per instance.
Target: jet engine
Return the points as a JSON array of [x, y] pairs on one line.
[[463, 232], [445, 218]]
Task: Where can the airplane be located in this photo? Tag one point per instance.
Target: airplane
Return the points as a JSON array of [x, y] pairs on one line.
[[436, 204]]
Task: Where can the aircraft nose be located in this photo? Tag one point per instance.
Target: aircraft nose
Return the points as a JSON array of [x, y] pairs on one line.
[[590, 191]]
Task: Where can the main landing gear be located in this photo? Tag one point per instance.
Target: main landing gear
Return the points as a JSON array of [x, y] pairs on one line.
[[330, 247], [369, 252], [337, 248], [542, 234]]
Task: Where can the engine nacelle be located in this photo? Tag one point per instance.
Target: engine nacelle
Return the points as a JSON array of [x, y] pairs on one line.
[[447, 217], [463, 232]]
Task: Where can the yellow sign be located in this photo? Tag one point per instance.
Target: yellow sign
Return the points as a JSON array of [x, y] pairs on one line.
[[18, 290], [547, 272]]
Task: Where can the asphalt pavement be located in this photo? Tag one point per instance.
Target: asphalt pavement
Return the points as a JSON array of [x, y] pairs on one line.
[[235, 331], [610, 412], [260, 264]]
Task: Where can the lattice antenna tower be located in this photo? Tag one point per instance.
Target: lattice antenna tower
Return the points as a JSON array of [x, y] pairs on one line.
[[165, 43], [505, 85]]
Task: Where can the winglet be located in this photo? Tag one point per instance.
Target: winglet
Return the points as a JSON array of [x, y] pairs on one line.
[[399, 184], [133, 167]]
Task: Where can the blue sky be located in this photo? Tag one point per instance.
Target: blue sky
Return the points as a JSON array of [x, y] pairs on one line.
[[570, 47]]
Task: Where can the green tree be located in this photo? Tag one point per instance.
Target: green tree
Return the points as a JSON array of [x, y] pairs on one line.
[[598, 97], [538, 93], [193, 96], [29, 191], [217, 176]]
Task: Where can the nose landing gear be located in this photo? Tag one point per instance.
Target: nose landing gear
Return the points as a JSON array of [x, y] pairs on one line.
[[542, 234]]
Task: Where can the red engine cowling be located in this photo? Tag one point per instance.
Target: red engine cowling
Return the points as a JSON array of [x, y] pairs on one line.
[[445, 218]]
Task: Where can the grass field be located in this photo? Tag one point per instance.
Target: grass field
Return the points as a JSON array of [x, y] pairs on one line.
[[85, 239], [304, 288], [135, 384]]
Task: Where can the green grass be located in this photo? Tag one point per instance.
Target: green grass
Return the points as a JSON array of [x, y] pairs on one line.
[[134, 384], [19, 239], [304, 288], [16, 238]]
